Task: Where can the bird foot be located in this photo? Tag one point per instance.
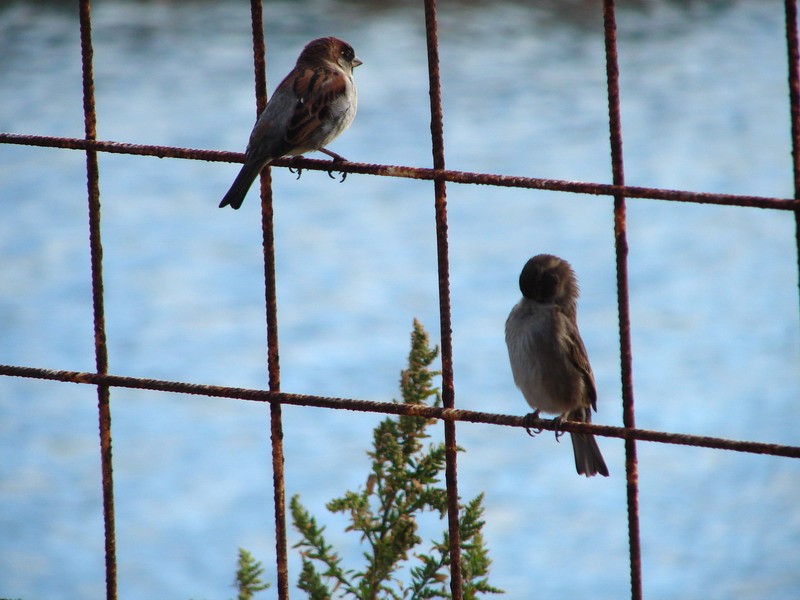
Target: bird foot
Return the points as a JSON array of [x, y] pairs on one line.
[[528, 422], [342, 173], [558, 431], [336, 158], [333, 155], [296, 168]]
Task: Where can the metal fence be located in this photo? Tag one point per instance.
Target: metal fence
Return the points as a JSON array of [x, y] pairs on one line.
[[440, 176]]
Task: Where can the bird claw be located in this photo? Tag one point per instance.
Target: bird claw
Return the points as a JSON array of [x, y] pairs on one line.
[[527, 422], [295, 168], [336, 159], [343, 173], [558, 431]]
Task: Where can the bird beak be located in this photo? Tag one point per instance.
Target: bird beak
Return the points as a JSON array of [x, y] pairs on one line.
[[356, 62]]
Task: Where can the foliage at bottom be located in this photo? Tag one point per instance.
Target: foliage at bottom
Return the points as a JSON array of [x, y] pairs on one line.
[[404, 481]]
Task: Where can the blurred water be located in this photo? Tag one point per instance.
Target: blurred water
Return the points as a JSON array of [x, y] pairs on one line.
[[714, 290]]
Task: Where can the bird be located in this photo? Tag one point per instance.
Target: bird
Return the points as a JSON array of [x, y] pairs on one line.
[[312, 106], [548, 359]]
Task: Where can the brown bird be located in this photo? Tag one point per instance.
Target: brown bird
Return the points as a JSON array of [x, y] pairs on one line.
[[548, 358], [312, 106]]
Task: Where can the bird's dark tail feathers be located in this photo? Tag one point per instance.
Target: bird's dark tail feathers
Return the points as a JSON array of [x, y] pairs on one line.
[[588, 460], [241, 185]]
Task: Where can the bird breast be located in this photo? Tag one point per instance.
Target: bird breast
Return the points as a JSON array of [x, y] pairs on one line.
[[539, 362], [342, 112]]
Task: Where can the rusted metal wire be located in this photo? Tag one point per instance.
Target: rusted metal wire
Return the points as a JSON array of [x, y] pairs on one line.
[[407, 172], [271, 302], [623, 302], [793, 55], [96, 253], [445, 323], [392, 408]]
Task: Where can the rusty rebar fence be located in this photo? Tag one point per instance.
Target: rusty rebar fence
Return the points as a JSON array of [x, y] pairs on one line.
[[439, 176]]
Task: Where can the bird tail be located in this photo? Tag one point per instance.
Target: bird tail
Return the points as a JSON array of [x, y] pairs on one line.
[[241, 185], [588, 460]]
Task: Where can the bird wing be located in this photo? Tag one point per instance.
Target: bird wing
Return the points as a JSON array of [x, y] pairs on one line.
[[578, 356], [316, 90]]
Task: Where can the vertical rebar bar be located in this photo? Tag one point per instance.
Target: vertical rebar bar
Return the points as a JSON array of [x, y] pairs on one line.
[[623, 298], [793, 52], [445, 322], [273, 363], [96, 252]]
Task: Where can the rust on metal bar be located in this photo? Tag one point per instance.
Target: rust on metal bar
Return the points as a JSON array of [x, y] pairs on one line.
[[445, 321], [407, 172], [271, 304], [793, 55], [393, 408], [623, 299], [96, 257]]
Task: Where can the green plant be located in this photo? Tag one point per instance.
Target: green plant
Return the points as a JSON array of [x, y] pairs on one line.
[[404, 481], [248, 576]]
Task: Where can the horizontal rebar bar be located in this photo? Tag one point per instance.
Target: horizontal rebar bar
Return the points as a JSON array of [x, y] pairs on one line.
[[463, 177], [392, 408]]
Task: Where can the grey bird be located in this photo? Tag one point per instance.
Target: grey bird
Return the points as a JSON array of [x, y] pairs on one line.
[[310, 108], [547, 355]]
